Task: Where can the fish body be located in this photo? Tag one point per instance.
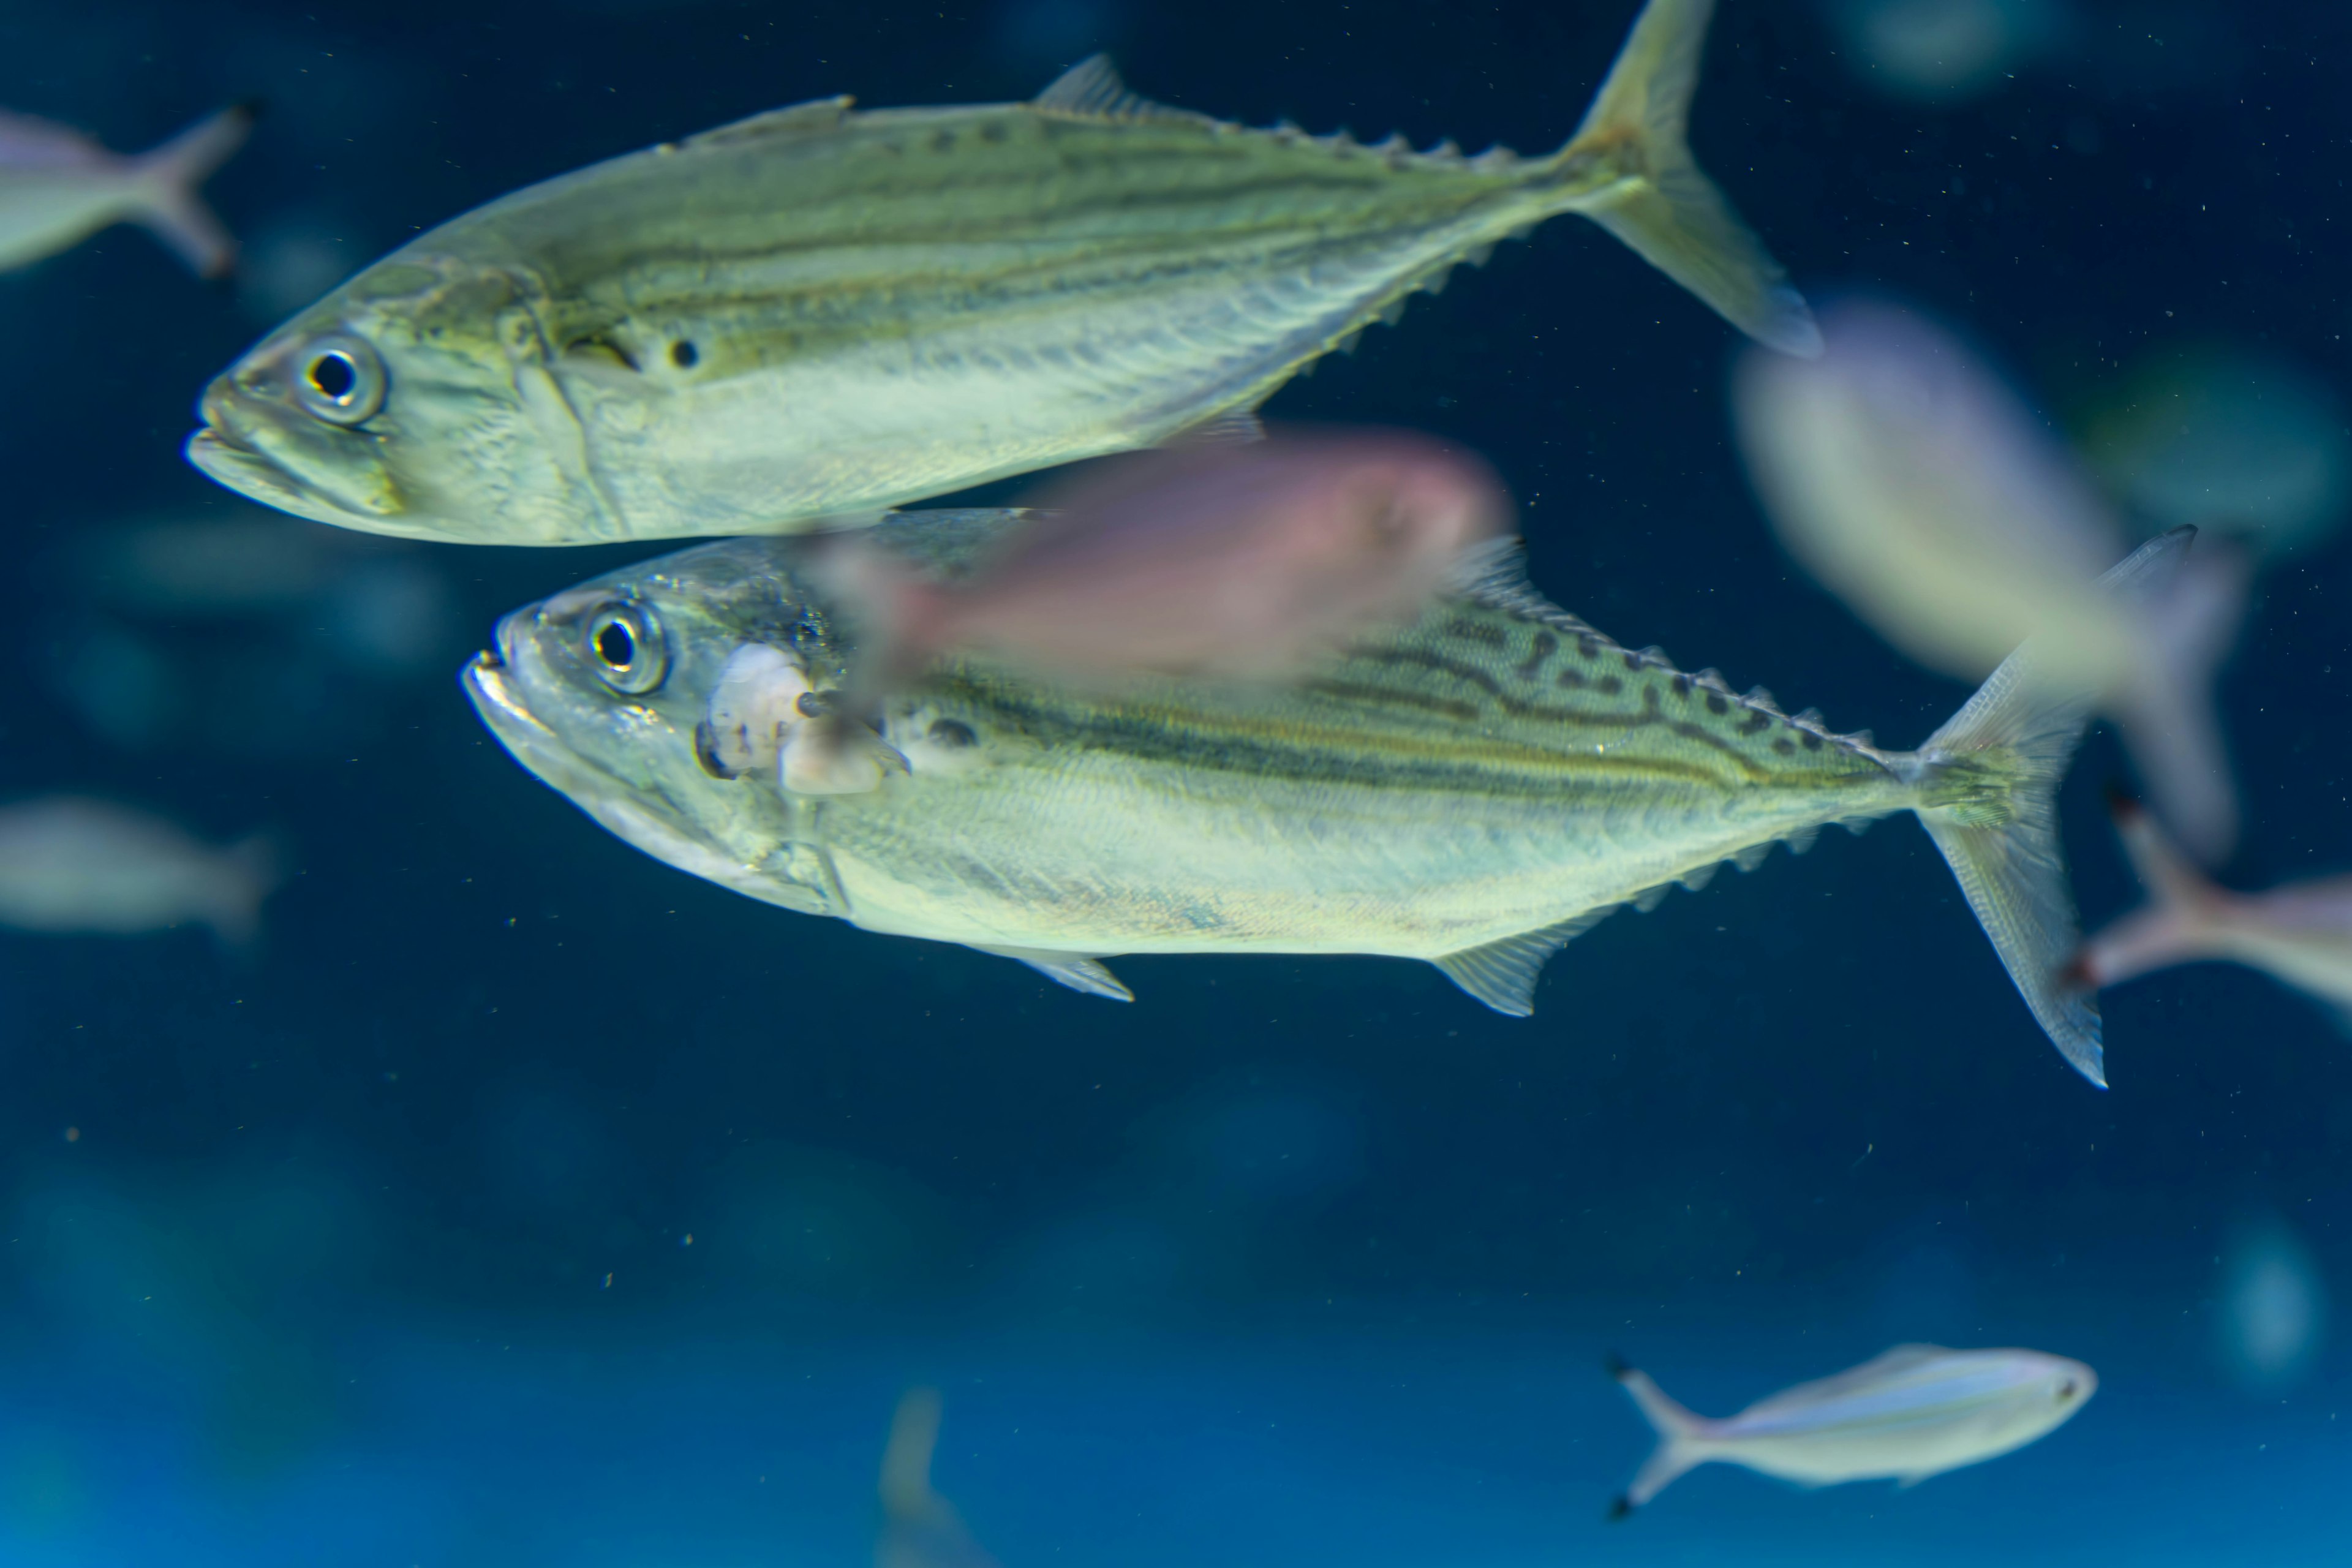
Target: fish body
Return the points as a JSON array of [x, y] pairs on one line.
[[1921, 491], [920, 1529], [76, 866], [819, 313], [58, 187], [1243, 561], [1914, 1412], [1471, 790], [2300, 933]]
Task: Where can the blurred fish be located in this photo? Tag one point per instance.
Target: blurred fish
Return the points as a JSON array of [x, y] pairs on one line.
[[1905, 477], [2300, 933], [1244, 562], [1940, 51], [1914, 1412], [2230, 440], [920, 1529], [816, 313], [1473, 789], [58, 187], [2274, 1305], [69, 865]]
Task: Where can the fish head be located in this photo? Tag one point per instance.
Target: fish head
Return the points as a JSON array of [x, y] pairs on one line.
[[411, 401], [2045, 1392], [606, 692]]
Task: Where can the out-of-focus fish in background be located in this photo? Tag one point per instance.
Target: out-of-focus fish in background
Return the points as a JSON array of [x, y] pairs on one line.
[[817, 313], [2232, 440], [1904, 475], [2273, 1305], [1244, 562], [1940, 51], [58, 187], [2300, 933], [1474, 789], [919, 1529], [75, 866], [1913, 1412]]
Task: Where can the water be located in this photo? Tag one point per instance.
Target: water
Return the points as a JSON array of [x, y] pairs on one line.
[[522, 1200]]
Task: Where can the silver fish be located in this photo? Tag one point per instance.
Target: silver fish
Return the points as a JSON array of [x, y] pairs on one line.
[[58, 187], [1911, 1412], [817, 313], [1473, 790], [2300, 933], [68, 864], [920, 1529]]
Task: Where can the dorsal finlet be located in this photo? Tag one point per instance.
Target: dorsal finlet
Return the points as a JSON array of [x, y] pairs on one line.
[[1811, 719], [1494, 574], [1758, 698], [1093, 88]]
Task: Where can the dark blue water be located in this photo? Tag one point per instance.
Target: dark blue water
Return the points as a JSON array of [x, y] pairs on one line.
[[525, 1201]]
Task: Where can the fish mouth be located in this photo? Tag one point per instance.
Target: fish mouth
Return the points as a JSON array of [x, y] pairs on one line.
[[282, 457]]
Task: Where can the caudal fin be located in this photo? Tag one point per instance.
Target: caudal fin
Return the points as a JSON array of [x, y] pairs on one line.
[[1660, 203], [2001, 758], [1678, 1431], [2179, 923], [170, 174]]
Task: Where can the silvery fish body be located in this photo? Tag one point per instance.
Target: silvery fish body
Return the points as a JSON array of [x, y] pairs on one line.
[[1472, 790], [71, 865], [819, 313], [1913, 1412]]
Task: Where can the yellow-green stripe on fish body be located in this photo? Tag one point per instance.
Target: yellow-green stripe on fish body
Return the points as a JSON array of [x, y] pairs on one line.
[[824, 312], [1472, 790]]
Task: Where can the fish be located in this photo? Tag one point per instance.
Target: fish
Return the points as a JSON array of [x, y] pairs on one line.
[[1240, 561], [70, 865], [1910, 1413], [1472, 790], [920, 1529], [1918, 490], [819, 313], [2299, 934], [58, 187]]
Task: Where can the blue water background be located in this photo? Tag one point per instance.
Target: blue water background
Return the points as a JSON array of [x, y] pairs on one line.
[[376, 1249]]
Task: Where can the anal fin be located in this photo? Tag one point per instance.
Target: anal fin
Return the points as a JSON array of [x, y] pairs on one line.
[[1503, 973], [1073, 970]]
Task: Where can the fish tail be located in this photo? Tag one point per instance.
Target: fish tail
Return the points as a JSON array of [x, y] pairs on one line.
[[1989, 779], [1678, 1431], [2166, 707], [170, 174], [256, 867], [1632, 159], [2178, 921]]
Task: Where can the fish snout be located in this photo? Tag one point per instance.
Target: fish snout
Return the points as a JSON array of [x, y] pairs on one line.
[[259, 440]]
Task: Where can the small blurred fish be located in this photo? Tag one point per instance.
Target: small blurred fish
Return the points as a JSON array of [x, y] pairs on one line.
[[2300, 933], [1905, 478], [920, 1529], [1914, 1412], [69, 865], [1244, 561], [58, 187]]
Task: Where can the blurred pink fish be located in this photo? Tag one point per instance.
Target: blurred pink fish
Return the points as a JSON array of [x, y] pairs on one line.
[[1903, 473], [58, 187], [1232, 561], [2300, 933]]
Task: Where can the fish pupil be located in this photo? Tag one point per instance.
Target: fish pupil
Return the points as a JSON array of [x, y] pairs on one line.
[[616, 647], [684, 354], [334, 375]]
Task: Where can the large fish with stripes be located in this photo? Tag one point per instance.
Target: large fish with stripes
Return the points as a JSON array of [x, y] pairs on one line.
[[1472, 790], [820, 312]]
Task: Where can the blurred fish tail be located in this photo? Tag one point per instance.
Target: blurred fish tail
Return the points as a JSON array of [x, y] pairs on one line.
[[1680, 1436], [170, 174], [2179, 922], [1632, 158], [253, 868], [2168, 710]]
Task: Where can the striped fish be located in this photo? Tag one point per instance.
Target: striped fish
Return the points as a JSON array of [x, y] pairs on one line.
[[1473, 790], [821, 314]]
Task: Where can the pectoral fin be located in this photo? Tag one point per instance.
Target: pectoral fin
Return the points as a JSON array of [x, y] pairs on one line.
[[1073, 970], [1503, 973]]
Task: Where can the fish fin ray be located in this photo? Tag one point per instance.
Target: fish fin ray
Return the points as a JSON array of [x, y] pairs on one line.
[[1695, 880], [1233, 428], [1503, 973], [1755, 855], [1651, 897], [1093, 88], [1077, 971], [1493, 573], [792, 120], [1665, 208], [1800, 839]]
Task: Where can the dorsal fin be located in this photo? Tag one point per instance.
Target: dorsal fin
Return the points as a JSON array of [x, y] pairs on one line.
[[1494, 574], [1093, 88], [1503, 973], [794, 119]]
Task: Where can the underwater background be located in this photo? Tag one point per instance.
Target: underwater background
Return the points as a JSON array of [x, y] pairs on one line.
[[521, 1200]]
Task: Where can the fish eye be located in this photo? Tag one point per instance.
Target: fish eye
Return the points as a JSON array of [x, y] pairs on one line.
[[625, 644], [2066, 1390], [341, 380]]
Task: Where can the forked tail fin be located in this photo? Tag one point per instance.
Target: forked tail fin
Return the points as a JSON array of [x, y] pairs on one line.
[[2179, 922], [170, 174], [1678, 1434], [1662, 204], [2001, 841]]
